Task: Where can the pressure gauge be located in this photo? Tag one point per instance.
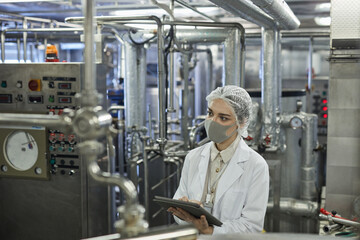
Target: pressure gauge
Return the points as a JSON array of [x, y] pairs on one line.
[[21, 150], [296, 122]]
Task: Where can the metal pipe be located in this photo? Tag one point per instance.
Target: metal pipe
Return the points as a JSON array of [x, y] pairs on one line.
[[194, 130], [310, 64], [18, 44], [295, 207], [269, 89], [280, 11], [331, 228], [113, 179], [247, 11], [232, 58], [51, 121], [185, 102], [25, 40], [3, 46], [44, 30], [146, 178], [122, 55], [89, 54], [185, 4], [278, 70], [308, 187], [211, 83], [340, 221], [161, 78]]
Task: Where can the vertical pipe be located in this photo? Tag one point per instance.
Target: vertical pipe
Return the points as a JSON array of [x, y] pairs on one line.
[[25, 40], [171, 77], [232, 58], [279, 68], [269, 85], [3, 46], [211, 83], [146, 180], [310, 64], [131, 87], [242, 61], [18, 43], [161, 87], [141, 75], [185, 101], [45, 42], [89, 28], [308, 189]]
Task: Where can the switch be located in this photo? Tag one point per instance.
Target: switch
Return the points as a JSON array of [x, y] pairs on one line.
[[19, 98], [19, 84], [51, 85], [35, 85], [3, 84]]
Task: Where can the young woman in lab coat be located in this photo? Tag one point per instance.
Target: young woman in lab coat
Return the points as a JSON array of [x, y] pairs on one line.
[[226, 176]]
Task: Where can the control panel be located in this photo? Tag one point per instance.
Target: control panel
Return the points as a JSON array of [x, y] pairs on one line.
[[42, 89], [320, 105]]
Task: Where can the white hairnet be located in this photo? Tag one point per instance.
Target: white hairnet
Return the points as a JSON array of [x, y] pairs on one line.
[[238, 99]]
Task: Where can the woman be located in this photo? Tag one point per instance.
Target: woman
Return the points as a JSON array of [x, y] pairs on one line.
[[225, 176]]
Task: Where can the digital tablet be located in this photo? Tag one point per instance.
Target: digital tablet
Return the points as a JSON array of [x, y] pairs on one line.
[[192, 208]]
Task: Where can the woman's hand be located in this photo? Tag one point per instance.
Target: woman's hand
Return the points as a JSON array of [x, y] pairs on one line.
[[200, 223]]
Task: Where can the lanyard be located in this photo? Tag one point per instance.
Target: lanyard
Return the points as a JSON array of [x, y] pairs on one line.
[[208, 204]]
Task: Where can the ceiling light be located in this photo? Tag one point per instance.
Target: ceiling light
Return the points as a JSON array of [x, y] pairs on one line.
[[323, 21]]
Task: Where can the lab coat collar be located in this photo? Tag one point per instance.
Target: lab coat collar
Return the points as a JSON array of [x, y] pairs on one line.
[[233, 171]]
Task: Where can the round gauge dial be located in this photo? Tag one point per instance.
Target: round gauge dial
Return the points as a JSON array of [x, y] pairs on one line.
[[296, 122], [21, 150]]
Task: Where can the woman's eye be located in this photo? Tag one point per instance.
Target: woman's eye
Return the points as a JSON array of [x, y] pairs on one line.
[[223, 118], [209, 113]]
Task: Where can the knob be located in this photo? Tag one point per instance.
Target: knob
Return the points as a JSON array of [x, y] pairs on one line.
[[72, 172]]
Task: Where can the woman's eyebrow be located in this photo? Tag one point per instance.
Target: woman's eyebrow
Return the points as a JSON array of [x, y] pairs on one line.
[[220, 114]]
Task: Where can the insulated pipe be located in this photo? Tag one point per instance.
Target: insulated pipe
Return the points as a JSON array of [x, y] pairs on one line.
[[232, 59], [141, 88], [161, 77], [122, 56], [18, 44], [269, 88], [185, 102], [247, 11], [308, 188], [295, 207], [280, 11]]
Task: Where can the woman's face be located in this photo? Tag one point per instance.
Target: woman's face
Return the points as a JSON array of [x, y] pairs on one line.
[[219, 111]]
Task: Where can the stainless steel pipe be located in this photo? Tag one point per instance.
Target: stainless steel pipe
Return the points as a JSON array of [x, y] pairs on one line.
[[296, 207], [51, 121]]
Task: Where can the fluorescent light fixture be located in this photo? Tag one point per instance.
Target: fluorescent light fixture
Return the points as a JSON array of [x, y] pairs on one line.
[[323, 7], [323, 21]]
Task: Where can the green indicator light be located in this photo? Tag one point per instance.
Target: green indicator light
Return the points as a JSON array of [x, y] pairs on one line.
[[52, 161], [324, 93], [3, 84], [51, 148], [51, 98]]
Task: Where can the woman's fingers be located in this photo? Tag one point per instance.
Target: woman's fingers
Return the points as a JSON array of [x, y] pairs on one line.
[[184, 198]]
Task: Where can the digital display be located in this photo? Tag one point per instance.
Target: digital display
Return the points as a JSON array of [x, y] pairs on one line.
[[64, 85], [5, 98], [64, 99], [35, 99]]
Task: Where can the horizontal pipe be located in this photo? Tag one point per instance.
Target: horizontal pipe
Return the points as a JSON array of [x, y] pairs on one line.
[[295, 207], [247, 11], [51, 121], [43, 29], [339, 220], [280, 12], [185, 4]]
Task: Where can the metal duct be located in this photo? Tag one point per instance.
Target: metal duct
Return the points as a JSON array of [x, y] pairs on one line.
[[135, 74], [232, 67], [246, 10], [269, 87], [280, 11], [308, 189]]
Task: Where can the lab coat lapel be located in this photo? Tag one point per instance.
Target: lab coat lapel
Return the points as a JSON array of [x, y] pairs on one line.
[[203, 164], [233, 171]]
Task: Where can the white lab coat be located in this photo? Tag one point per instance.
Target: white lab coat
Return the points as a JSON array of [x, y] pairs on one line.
[[242, 192]]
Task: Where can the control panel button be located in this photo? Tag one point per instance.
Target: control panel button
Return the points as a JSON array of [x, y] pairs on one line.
[[3, 84], [19, 84], [35, 85], [51, 98]]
